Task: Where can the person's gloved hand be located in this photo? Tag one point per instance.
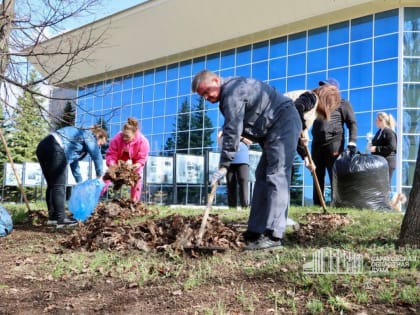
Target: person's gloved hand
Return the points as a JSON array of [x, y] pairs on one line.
[[218, 175], [352, 148]]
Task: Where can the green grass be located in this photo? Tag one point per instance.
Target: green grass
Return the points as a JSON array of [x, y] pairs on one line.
[[279, 275]]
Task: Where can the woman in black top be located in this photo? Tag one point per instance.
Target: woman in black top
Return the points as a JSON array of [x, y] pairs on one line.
[[384, 143]]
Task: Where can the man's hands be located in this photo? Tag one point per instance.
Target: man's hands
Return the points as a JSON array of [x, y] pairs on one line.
[[352, 148], [310, 166], [218, 175]]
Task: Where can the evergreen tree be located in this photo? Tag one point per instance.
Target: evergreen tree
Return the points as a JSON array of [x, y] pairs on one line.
[[28, 126], [192, 131], [68, 118]]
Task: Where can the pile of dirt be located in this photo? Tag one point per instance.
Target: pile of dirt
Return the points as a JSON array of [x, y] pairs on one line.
[[108, 229], [122, 174], [320, 224]]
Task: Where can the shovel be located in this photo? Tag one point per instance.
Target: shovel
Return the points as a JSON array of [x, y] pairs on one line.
[[317, 187]]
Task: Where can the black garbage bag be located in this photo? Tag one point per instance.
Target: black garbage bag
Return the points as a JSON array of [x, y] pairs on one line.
[[361, 181]]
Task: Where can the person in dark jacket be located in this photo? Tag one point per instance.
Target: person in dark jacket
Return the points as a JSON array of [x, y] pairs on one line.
[[328, 139], [384, 143], [256, 111], [65, 146], [238, 174]]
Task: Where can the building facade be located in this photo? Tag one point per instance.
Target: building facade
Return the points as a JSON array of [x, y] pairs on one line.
[[373, 52]]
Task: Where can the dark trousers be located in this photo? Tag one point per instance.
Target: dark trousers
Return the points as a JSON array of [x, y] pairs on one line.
[[237, 174], [53, 163], [324, 157], [270, 200]]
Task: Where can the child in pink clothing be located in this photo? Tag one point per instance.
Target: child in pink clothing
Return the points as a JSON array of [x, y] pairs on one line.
[[128, 144]]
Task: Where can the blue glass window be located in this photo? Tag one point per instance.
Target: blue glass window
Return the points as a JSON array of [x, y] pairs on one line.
[[107, 103], [172, 72], [171, 106], [385, 72], [126, 97], [243, 55], [411, 121], [170, 124], [160, 74], [137, 95], [361, 99], [147, 126], [184, 86], [213, 62], [115, 116], [341, 75], [107, 87], [158, 126], [243, 71], [297, 43], [362, 27], [411, 63], [317, 60], [317, 38], [338, 56], [127, 82], [412, 19], [361, 75], [296, 64], [117, 85], [385, 97], [114, 129], [116, 99], [411, 97], [228, 59], [147, 110], [260, 70], [278, 47], [148, 93], [260, 51], [279, 85], [277, 68], [361, 51], [171, 88], [138, 80], [159, 108], [386, 22], [227, 73], [386, 47], [314, 78], [125, 113], [97, 101], [159, 91], [185, 69], [364, 123], [339, 33], [198, 65], [149, 77], [296, 83]]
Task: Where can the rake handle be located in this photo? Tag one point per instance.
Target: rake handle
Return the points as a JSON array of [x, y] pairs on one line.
[[206, 214]]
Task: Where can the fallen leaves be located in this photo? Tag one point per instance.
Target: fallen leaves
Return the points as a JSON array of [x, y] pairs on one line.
[[122, 173]]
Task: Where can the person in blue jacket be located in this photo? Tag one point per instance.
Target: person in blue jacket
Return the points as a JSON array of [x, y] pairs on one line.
[[66, 146], [237, 175]]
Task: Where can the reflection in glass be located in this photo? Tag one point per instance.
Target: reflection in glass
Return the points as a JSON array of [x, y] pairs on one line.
[[411, 95], [411, 69], [410, 147], [411, 43], [412, 19]]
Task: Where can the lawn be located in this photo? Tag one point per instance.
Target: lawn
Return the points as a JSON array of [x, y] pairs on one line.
[[361, 272]]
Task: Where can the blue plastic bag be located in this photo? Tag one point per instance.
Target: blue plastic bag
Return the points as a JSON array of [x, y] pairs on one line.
[[6, 223], [84, 198]]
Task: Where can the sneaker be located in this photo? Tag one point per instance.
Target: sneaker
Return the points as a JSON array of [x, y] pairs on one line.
[[250, 236], [265, 242], [52, 222], [67, 222]]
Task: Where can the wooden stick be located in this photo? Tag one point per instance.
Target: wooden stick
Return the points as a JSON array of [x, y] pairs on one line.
[[206, 214], [317, 187], [6, 148]]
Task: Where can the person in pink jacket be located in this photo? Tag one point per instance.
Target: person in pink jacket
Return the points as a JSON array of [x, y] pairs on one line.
[[128, 145]]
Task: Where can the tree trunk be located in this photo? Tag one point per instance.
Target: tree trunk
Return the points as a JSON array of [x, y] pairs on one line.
[[410, 228]]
